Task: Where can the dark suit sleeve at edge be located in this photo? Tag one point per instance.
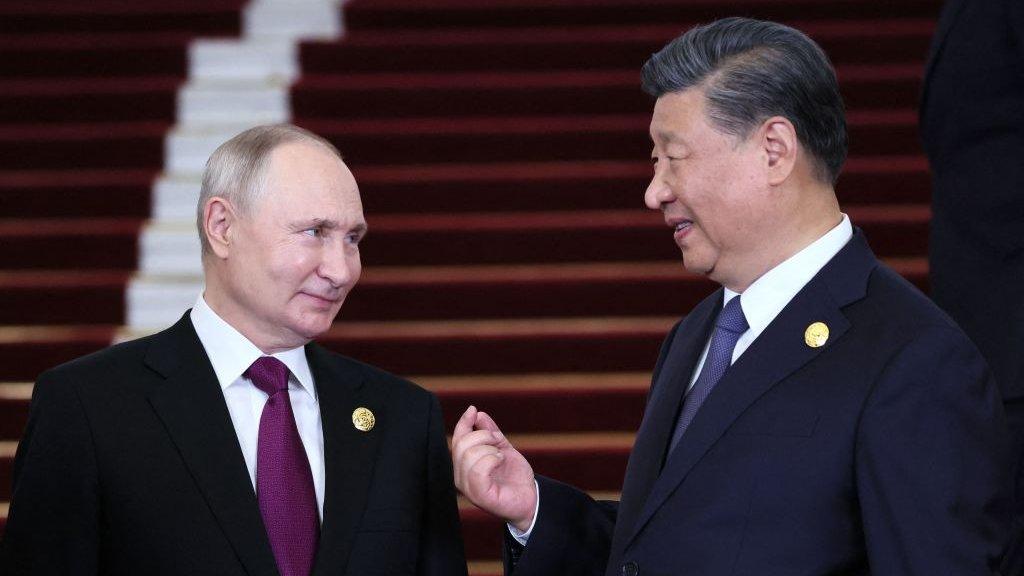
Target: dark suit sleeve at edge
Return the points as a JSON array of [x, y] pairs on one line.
[[52, 527], [932, 462], [572, 535], [441, 549], [573, 532]]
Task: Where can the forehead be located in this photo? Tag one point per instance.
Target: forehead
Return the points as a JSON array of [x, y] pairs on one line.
[[679, 116], [306, 176]]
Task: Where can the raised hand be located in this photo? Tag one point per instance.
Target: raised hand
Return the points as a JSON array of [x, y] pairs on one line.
[[491, 472]]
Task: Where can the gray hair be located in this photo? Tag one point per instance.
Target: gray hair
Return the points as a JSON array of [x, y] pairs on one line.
[[237, 169], [751, 70]]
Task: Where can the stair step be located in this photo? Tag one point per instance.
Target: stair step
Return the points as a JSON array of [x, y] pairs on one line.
[[117, 145], [587, 48], [367, 15], [398, 95], [100, 243], [377, 141], [66, 100], [49, 194], [7, 451], [14, 400], [62, 296], [535, 138], [199, 17], [138, 54]]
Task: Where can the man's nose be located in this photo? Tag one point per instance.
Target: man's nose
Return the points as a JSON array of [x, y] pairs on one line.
[[340, 265], [658, 193]]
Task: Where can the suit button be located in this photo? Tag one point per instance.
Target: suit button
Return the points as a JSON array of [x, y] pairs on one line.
[[630, 569]]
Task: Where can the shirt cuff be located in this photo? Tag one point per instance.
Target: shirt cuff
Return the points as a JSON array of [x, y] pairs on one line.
[[524, 537]]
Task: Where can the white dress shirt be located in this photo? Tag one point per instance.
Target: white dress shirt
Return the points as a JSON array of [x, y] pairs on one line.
[[762, 302], [231, 354]]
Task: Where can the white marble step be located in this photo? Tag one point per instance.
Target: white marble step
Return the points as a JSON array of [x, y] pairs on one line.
[[175, 197], [305, 19], [155, 302], [169, 249], [203, 102], [186, 148], [273, 59]]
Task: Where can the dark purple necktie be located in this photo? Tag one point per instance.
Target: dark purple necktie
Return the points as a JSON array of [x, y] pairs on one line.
[[730, 325], [284, 483]]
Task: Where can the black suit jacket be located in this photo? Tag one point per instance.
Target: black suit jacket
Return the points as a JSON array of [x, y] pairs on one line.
[[130, 465], [882, 452], [972, 124]]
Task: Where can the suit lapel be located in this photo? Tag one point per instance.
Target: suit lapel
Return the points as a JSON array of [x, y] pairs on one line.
[[647, 457], [778, 352], [349, 454], [191, 406]]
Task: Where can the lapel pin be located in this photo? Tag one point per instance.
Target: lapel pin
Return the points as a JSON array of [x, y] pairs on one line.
[[816, 335], [363, 419]]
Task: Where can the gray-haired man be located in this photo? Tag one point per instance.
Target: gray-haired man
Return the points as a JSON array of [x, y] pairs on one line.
[[229, 444]]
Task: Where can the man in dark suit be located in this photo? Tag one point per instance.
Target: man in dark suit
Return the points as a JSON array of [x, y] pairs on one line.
[[817, 414], [229, 444], [972, 124]]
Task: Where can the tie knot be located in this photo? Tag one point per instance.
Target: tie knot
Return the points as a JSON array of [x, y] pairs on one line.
[[731, 318], [268, 374]]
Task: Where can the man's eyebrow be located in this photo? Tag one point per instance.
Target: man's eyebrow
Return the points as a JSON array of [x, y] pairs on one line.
[[668, 137]]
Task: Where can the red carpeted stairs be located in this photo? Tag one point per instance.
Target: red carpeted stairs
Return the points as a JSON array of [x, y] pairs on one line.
[[501, 150], [87, 94]]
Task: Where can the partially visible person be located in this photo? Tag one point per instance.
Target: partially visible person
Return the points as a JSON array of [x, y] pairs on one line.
[[972, 124], [816, 415], [230, 444]]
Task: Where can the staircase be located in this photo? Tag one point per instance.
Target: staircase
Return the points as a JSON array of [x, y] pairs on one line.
[[501, 150]]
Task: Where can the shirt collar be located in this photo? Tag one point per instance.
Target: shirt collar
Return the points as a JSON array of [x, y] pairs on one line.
[[768, 295], [231, 353]]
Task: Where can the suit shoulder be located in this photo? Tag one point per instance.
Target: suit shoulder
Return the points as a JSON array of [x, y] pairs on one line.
[[103, 359], [898, 317], [903, 304], [102, 367]]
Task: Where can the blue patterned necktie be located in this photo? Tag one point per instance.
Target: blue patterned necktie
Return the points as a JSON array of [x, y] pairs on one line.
[[730, 325]]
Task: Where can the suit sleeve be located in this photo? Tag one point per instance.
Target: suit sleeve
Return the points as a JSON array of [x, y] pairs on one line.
[[573, 532], [53, 522], [932, 464], [441, 549], [572, 535]]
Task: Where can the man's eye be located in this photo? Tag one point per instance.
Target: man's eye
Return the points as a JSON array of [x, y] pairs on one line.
[[354, 239], [313, 232]]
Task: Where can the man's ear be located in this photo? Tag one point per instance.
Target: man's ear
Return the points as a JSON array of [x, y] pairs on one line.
[[219, 222], [778, 136]]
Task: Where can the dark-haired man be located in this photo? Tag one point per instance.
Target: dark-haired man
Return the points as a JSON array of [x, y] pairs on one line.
[[817, 414]]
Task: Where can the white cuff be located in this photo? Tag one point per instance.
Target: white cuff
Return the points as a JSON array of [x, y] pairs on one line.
[[524, 537]]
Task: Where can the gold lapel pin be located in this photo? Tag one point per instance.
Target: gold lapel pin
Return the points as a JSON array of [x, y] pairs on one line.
[[816, 335], [363, 419]]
